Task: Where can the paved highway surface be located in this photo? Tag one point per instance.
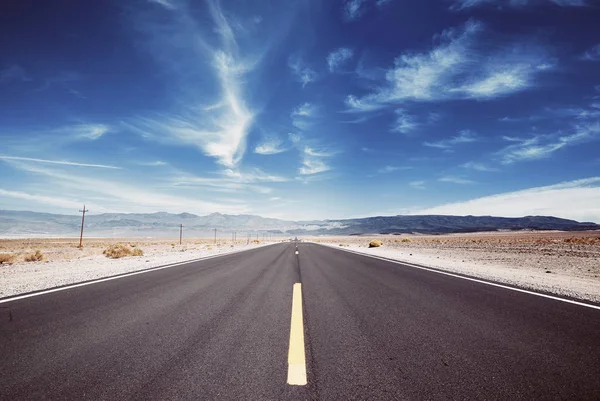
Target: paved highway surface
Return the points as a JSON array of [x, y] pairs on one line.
[[220, 329]]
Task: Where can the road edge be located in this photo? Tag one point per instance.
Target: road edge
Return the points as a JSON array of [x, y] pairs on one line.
[[549, 295], [30, 294]]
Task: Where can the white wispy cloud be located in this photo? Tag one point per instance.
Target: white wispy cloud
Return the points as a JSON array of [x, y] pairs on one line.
[[252, 175], [157, 163], [466, 4], [62, 162], [353, 9], [169, 4], [405, 122], [270, 146], [464, 136], [592, 54], [303, 116], [542, 146], [61, 203], [217, 121], [338, 57], [91, 132], [122, 195], [314, 158], [455, 180], [479, 167], [366, 104], [303, 73], [313, 165], [14, 73], [417, 184], [578, 200], [458, 68], [391, 169]]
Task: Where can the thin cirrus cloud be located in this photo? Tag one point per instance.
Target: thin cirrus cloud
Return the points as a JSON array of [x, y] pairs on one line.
[[353, 10], [479, 167], [578, 200], [301, 71], [417, 184], [339, 57], [270, 146], [14, 73], [314, 160], [165, 3], [220, 129], [458, 68], [592, 54], [542, 146], [121, 195], [303, 116], [464, 136], [391, 169], [460, 5], [61, 162], [456, 180], [405, 123]]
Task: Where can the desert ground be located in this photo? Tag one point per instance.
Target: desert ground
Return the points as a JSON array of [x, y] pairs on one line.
[[67, 249], [35, 264], [565, 263]]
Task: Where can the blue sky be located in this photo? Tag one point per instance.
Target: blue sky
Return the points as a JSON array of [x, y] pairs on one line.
[[302, 109]]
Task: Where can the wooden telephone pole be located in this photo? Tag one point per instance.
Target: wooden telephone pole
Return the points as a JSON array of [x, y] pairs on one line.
[[180, 233], [215, 235], [82, 221]]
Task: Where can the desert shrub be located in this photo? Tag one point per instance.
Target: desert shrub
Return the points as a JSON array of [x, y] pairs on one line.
[[137, 252], [344, 245], [6, 258], [34, 257], [406, 240], [117, 251], [255, 241], [375, 243], [582, 241]]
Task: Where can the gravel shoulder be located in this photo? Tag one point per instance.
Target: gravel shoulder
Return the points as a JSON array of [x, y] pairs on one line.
[[566, 264], [64, 266]]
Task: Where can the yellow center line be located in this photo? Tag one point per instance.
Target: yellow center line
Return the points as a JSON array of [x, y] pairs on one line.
[[296, 357]]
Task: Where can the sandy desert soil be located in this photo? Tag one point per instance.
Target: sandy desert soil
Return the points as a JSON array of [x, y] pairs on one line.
[[64, 263], [565, 263]]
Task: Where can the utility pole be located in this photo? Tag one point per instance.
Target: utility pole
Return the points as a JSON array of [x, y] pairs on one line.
[[247, 242], [215, 235], [82, 220], [180, 233]]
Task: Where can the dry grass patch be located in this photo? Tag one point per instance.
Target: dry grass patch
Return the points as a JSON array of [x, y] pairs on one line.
[[34, 257], [6, 258], [375, 243], [117, 251]]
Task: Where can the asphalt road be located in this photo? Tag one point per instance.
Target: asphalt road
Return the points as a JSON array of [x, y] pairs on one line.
[[220, 329]]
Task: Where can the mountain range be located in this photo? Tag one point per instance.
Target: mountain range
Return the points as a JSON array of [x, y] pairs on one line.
[[161, 224]]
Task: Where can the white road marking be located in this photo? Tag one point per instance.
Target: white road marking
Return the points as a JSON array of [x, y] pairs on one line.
[[296, 357], [100, 280], [471, 279]]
